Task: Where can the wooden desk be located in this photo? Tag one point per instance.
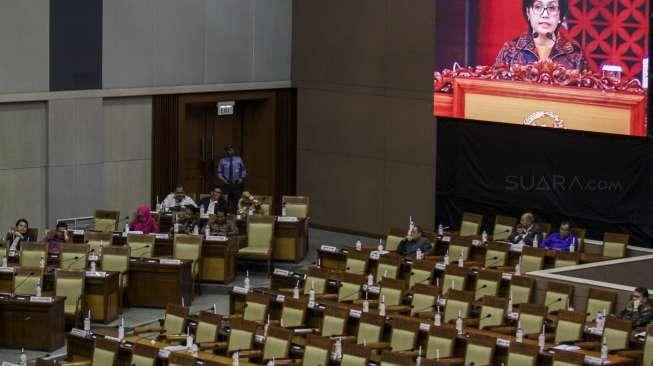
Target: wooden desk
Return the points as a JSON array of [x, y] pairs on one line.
[[219, 260], [152, 284], [290, 240], [32, 325], [103, 296]]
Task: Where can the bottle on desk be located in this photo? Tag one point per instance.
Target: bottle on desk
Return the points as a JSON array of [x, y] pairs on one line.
[[459, 323], [126, 228], [38, 288], [519, 336], [359, 245], [604, 349], [23, 357], [87, 322], [283, 210], [189, 338], [235, 359], [509, 308], [311, 295], [445, 260], [121, 329], [196, 230], [541, 339], [572, 246], [295, 291], [461, 259], [380, 247], [418, 361], [337, 350], [370, 279], [382, 306], [437, 318], [518, 267], [536, 242], [42, 262], [440, 230], [366, 304], [93, 268], [418, 254], [207, 231], [246, 285], [484, 237]]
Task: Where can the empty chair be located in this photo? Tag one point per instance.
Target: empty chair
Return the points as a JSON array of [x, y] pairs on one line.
[[441, 342], [389, 266], [493, 312], [397, 359], [316, 351], [370, 328], [532, 259], [487, 283], [394, 237], [531, 317], [256, 307], [316, 278], [189, 247], [616, 334], [357, 262], [614, 245], [116, 259], [174, 322], [521, 289], [521, 354], [106, 220], [496, 254], [566, 259], [26, 279], [404, 333], [454, 278], [105, 353], [421, 272], [645, 356], [424, 298], [297, 206], [392, 291], [260, 235], [71, 285], [569, 327], [73, 256], [470, 224], [599, 300], [277, 343], [31, 254], [208, 327], [141, 245], [293, 313], [144, 355], [480, 350], [558, 296], [350, 286], [242, 335], [503, 226], [334, 322], [354, 355], [458, 302], [459, 246]]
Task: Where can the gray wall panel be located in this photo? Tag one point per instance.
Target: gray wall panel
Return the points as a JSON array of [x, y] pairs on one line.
[[127, 129], [75, 131], [24, 39], [127, 185], [23, 196], [128, 43], [23, 135], [229, 41], [272, 39], [179, 42]]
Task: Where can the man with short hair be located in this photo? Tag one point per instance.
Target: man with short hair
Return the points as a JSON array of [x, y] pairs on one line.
[[56, 237], [562, 240], [412, 242], [219, 225], [638, 309], [526, 231], [178, 199], [214, 203], [232, 172]]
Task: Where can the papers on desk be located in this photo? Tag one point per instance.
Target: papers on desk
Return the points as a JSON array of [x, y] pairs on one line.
[[169, 261], [165, 352], [7, 270], [95, 274], [440, 266], [425, 327], [138, 232], [328, 248], [46, 299], [517, 247], [162, 236], [5, 363], [355, 313], [373, 289], [375, 254], [78, 232], [640, 335], [513, 316], [442, 302], [93, 258], [281, 272], [216, 238], [506, 276], [594, 331], [477, 243], [567, 347], [446, 239], [280, 298], [593, 360], [79, 332], [287, 219], [259, 338]]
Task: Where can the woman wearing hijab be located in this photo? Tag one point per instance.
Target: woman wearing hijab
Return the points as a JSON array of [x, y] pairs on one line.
[[144, 221]]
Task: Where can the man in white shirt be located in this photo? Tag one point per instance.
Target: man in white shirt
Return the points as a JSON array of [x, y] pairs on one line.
[[178, 199]]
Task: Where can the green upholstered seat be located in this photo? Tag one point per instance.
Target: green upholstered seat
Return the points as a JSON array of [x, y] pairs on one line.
[[368, 333], [318, 284], [103, 357], [206, 332], [495, 258], [596, 305], [422, 303], [187, 251], [259, 237], [452, 281], [551, 297], [490, 289], [530, 263], [490, 316], [315, 356], [517, 359], [564, 263], [275, 347], [355, 265], [392, 242], [141, 245], [174, 324], [442, 345], [386, 270], [452, 307], [70, 263], [615, 338], [468, 228], [501, 232], [392, 296], [418, 276], [349, 291], [478, 355], [402, 340], [72, 289], [296, 210], [117, 263], [31, 258], [139, 360], [531, 323], [520, 294], [292, 317], [255, 311], [615, 250], [456, 250], [102, 224], [351, 360], [27, 284], [239, 339], [648, 351], [332, 326], [567, 331]]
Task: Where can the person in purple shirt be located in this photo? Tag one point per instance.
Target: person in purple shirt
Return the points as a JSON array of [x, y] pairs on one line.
[[56, 237], [561, 240], [232, 172]]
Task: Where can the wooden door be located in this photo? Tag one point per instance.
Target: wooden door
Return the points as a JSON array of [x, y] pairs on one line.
[[194, 150], [222, 131]]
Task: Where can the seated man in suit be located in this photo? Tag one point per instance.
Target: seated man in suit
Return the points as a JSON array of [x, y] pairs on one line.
[[219, 225], [638, 309], [413, 241], [16, 235], [177, 199], [214, 203], [184, 220], [526, 231], [561, 240]]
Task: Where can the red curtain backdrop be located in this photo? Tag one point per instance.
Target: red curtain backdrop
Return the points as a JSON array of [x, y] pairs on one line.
[[609, 31]]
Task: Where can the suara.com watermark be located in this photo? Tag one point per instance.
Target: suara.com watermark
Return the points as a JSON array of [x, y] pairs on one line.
[[556, 182]]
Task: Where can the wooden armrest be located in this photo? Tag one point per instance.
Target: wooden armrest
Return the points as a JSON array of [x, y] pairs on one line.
[[174, 337], [371, 302], [425, 315], [591, 345], [549, 337], [348, 339], [378, 345], [503, 329], [212, 345], [616, 351], [78, 363], [286, 361], [451, 361], [471, 322], [326, 296], [633, 353], [250, 353], [233, 316], [148, 329], [437, 258], [505, 268], [398, 308]]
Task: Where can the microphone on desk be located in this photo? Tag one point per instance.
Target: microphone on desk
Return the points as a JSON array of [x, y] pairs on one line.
[[501, 232], [495, 260], [554, 301], [423, 281], [425, 308], [72, 261], [351, 293], [482, 287], [141, 249], [488, 316], [29, 275]]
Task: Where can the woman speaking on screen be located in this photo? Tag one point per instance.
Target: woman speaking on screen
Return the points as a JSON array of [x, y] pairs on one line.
[[543, 41]]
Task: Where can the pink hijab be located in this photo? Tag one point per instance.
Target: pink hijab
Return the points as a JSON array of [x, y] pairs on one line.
[[144, 221]]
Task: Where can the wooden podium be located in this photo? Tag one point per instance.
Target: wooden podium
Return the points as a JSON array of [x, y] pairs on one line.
[[514, 101]]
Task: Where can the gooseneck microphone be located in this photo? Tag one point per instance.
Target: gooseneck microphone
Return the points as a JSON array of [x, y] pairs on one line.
[[29, 275], [494, 261], [554, 301]]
